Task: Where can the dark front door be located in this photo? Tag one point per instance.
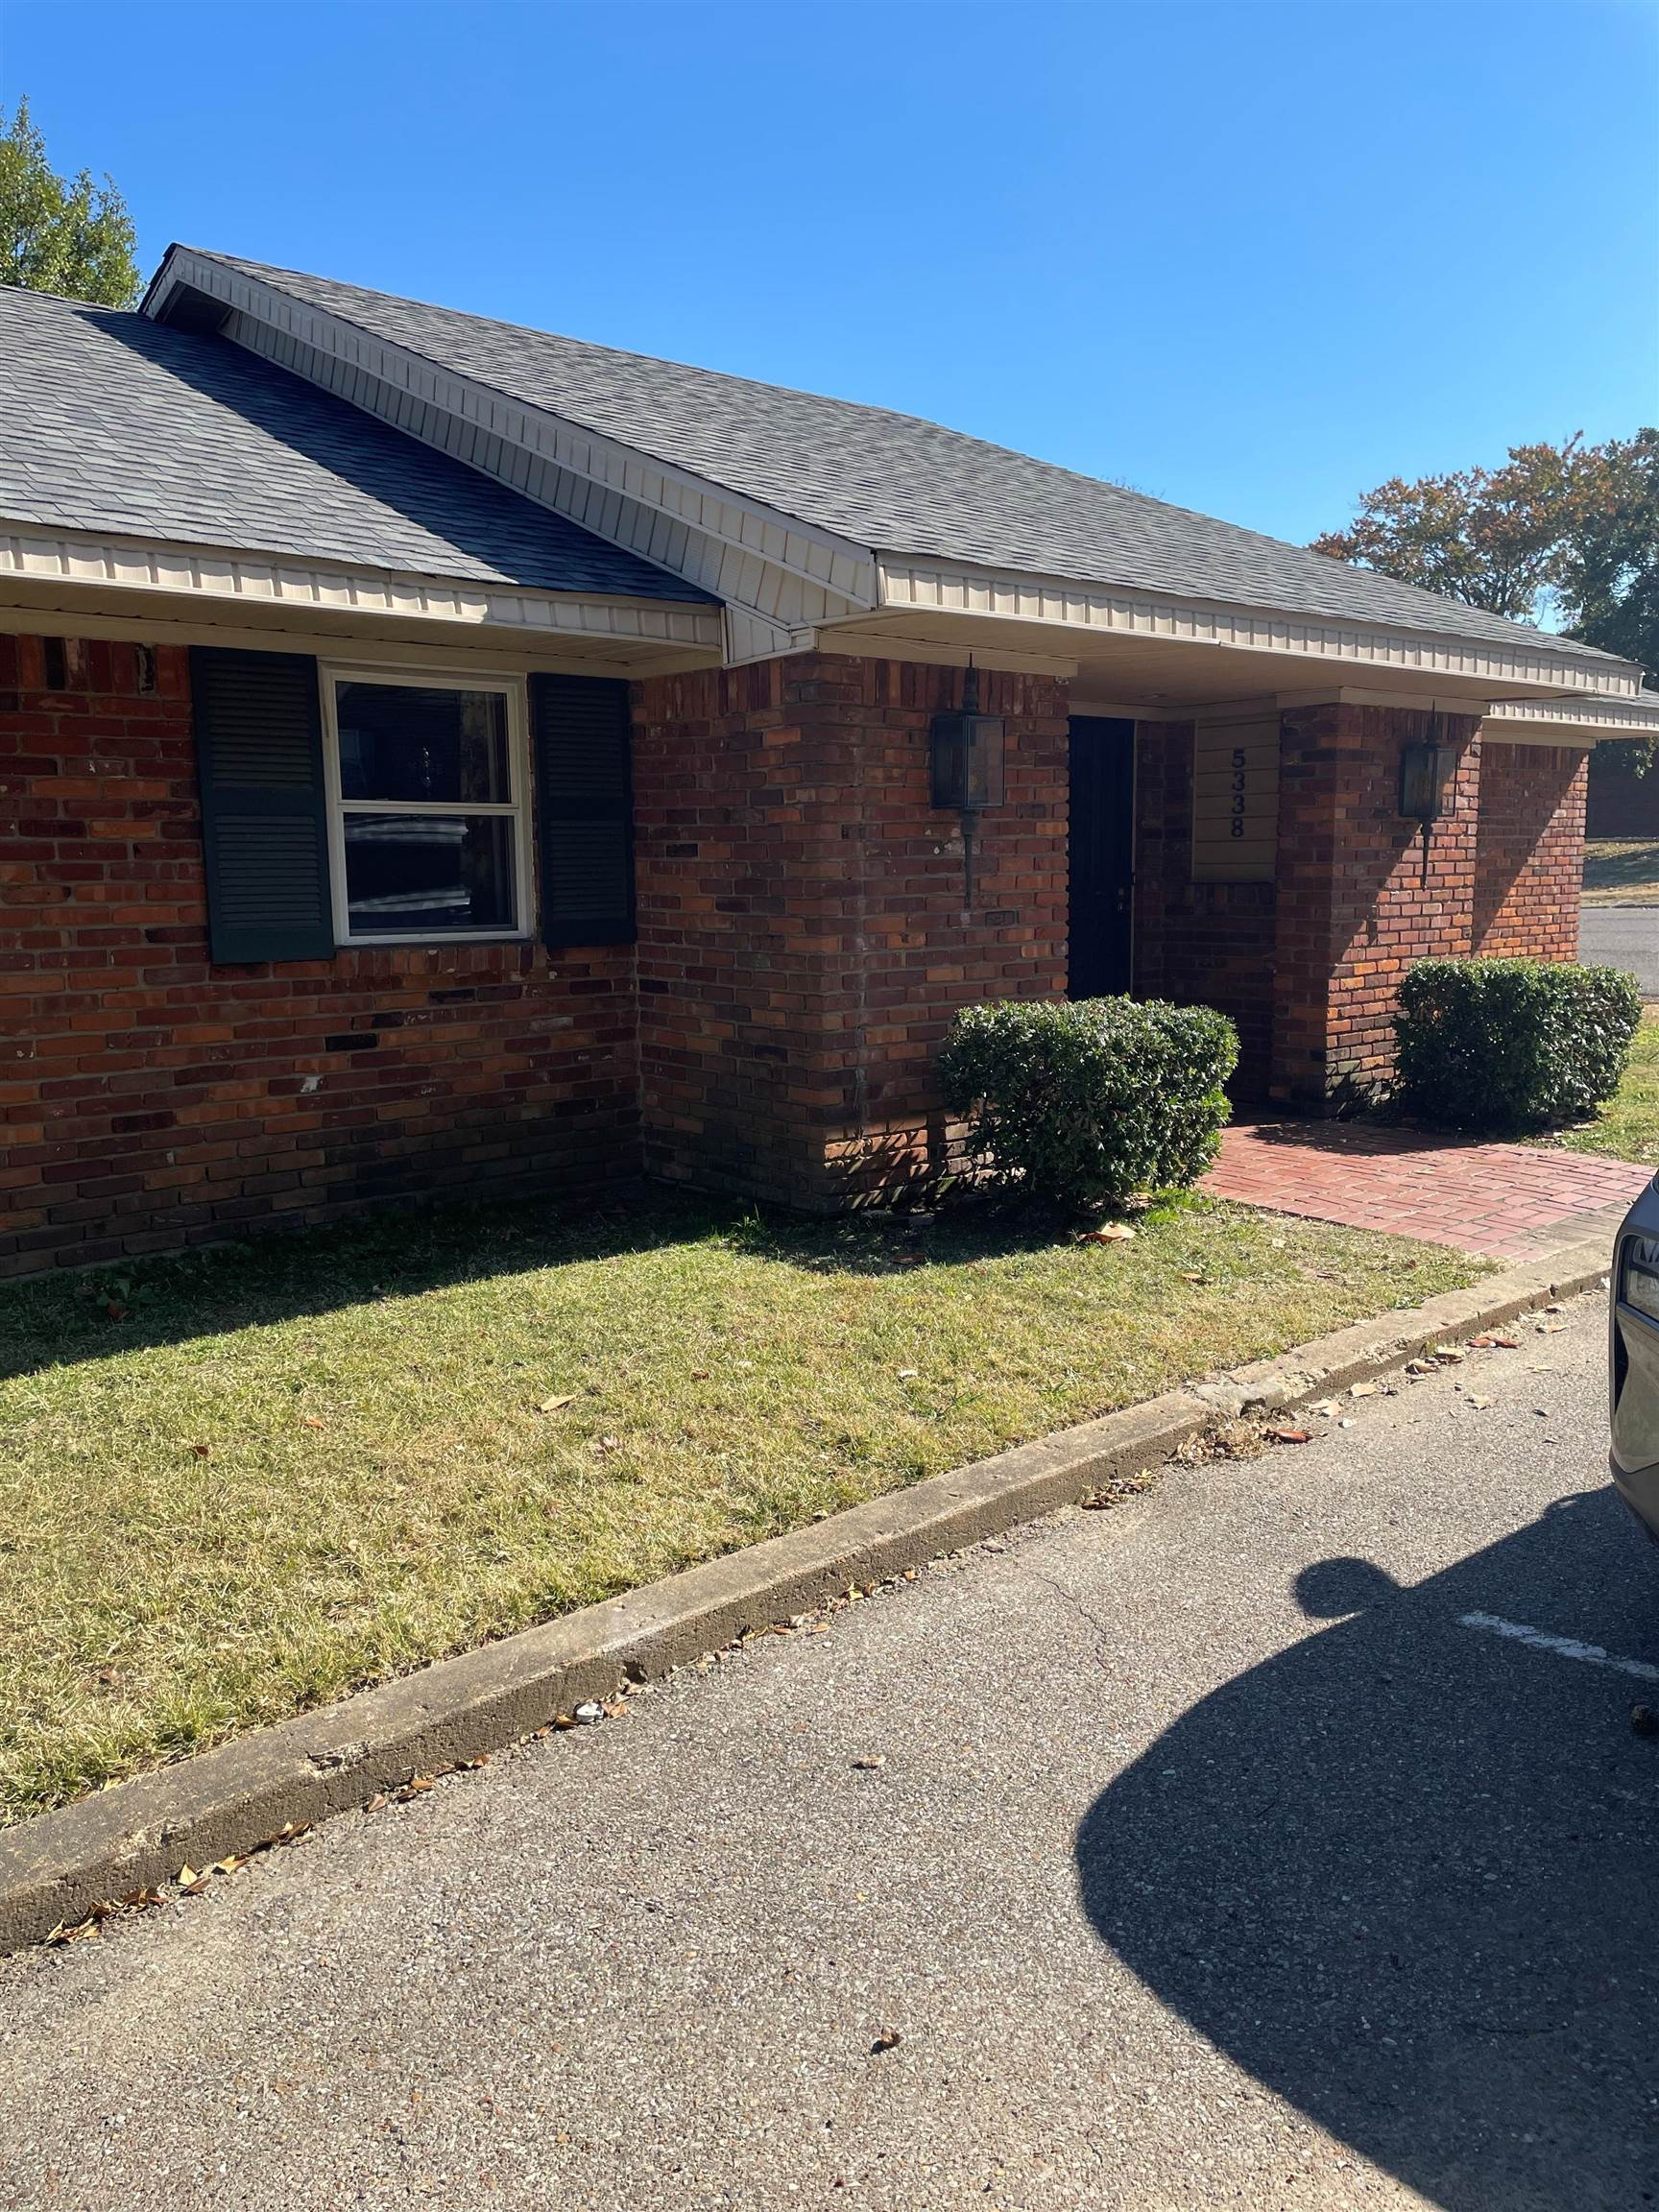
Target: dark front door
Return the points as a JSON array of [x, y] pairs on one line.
[[1103, 854]]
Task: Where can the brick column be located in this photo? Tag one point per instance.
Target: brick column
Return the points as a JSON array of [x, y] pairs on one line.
[[1358, 901], [802, 941]]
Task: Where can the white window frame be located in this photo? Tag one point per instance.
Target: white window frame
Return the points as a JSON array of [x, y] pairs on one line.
[[513, 689]]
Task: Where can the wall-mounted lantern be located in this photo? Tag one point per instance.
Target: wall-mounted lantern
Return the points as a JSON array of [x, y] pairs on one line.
[[1426, 773], [965, 761], [965, 754]]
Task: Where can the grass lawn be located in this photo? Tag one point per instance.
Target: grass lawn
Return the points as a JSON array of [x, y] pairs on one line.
[[1622, 872], [1627, 1126], [240, 1483]]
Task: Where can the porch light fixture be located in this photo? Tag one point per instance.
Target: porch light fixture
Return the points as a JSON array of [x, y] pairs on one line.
[[965, 760], [965, 754], [1426, 773]]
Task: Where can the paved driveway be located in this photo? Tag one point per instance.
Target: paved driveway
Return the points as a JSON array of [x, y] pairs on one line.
[[1220, 1857], [1623, 937]]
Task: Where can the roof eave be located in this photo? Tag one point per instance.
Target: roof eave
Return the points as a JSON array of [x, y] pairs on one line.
[[910, 582]]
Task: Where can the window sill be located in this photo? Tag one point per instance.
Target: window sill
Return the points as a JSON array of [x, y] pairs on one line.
[[472, 937]]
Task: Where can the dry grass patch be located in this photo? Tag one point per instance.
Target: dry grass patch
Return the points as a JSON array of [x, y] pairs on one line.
[[238, 1484]]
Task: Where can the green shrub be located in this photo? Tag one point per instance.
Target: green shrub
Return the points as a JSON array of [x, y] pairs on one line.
[[1511, 1045], [1087, 1104]]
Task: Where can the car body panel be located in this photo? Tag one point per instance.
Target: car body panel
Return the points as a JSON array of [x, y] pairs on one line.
[[1633, 1361]]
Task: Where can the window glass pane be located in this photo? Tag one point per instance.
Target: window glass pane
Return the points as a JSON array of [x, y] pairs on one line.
[[404, 741], [424, 874]]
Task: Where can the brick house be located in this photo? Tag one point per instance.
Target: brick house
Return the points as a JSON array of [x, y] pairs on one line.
[[441, 757]]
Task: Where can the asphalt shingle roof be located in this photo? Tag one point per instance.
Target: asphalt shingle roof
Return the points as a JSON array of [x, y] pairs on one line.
[[895, 483], [110, 423]]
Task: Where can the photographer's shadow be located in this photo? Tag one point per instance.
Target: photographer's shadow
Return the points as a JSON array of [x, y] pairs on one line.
[[1408, 1872]]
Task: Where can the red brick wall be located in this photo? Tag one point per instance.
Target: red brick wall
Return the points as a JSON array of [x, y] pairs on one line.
[[1197, 944], [1529, 854], [803, 943], [150, 1099]]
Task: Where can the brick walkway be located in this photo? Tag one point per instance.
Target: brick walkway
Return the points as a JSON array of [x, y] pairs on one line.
[[1514, 1201]]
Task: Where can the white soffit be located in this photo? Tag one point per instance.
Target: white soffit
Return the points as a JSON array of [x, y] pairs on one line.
[[216, 573], [1088, 610], [1569, 722]]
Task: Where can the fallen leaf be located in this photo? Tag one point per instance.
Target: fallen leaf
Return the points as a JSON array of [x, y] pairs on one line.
[[909, 1374], [190, 1883], [1191, 1275], [1328, 1408], [1109, 1233], [1362, 1390], [871, 1761], [202, 1451], [699, 1374], [1507, 1343], [556, 1405], [291, 1831], [889, 2040], [64, 1934], [1481, 1343], [607, 1444], [309, 1420], [114, 1312], [413, 1788], [1290, 1435], [1419, 1366], [1449, 1355], [1550, 1328]]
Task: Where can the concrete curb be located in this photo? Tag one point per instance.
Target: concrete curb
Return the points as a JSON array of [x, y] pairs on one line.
[[55, 1868]]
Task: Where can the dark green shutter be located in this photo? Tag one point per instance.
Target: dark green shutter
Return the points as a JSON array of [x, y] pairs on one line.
[[264, 810], [584, 809]]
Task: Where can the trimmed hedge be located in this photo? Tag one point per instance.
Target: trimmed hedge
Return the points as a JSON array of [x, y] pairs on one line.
[[1088, 1102], [1511, 1045]]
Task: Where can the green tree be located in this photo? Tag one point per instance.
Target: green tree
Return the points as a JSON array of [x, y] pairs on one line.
[[1608, 569], [1490, 537], [61, 235], [1570, 531]]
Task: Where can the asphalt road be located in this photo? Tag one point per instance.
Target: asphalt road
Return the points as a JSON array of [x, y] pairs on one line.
[[1214, 1860], [1623, 937]]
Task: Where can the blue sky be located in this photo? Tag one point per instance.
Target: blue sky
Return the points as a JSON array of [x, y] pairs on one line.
[[1249, 257]]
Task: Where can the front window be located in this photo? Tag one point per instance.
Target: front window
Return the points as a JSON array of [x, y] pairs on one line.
[[428, 797]]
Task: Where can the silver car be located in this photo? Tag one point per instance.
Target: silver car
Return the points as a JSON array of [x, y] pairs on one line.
[[1633, 1356]]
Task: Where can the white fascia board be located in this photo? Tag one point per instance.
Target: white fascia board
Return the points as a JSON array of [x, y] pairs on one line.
[[492, 432], [1572, 722], [200, 572], [998, 595]]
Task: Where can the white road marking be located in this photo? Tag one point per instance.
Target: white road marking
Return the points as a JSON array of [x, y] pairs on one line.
[[1563, 1646]]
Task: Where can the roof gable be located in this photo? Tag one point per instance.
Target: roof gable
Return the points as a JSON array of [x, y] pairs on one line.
[[894, 483]]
